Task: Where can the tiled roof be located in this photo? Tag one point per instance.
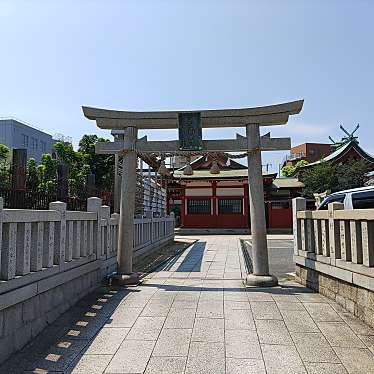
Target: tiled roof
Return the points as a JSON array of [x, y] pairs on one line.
[[339, 152]]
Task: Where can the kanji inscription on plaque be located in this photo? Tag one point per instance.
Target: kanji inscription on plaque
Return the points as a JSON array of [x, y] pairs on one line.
[[190, 133]]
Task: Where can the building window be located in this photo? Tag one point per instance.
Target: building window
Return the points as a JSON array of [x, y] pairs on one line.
[[230, 206], [25, 141], [198, 206], [34, 143], [43, 146]]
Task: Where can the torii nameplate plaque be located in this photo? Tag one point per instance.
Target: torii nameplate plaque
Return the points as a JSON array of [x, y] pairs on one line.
[[190, 131]]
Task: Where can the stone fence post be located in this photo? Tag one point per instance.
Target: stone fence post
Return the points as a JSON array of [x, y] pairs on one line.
[[298, 204], [105, 214], [334, 232], [367, 233], [60, 232], [94, 205]]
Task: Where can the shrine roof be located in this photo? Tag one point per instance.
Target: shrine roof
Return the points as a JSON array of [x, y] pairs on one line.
[[340, 152], [265, 115], [224, 162], [224, 174]]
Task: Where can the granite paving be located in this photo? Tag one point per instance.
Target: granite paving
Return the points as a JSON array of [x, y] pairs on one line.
[[194, 315]]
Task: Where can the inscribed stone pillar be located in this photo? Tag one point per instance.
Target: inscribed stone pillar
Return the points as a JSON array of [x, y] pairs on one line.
[[260, 276], [19, 160], [127, 211], [62, 181], [17, 197], [91, 185]]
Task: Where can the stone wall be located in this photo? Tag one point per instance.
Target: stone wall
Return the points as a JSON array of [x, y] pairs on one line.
[[26, 311], [357, 300]]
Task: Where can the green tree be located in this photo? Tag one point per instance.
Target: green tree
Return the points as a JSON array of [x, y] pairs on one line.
[[301, 163], [47, 174], [4, 166], [289, 170], [102, 166], [32, 180], [4, 152], [326, 176], [65, 153], [319, 178], [352, 174], [85, 161]]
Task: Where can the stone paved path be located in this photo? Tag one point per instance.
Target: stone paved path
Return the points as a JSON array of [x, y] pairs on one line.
[[194, 316]]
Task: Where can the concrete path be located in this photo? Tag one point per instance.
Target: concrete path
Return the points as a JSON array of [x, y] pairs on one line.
[[195, 316]]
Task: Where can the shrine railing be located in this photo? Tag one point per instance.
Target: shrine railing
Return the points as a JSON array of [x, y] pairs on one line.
[[336, 242]]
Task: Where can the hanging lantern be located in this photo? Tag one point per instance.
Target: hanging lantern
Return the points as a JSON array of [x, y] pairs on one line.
[[162, 170], [214, 168]]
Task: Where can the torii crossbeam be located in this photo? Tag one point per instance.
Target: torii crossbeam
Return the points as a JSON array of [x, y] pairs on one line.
[[169, 146], [190, 124]]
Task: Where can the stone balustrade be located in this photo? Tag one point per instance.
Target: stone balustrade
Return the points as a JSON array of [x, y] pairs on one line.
[[49, 259], [37, 240], [334, 254], [150, 231]]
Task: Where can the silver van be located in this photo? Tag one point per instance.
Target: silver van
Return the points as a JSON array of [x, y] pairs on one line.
[[356, 198]]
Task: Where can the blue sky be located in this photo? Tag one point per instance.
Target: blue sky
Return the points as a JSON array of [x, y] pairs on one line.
[[160, 55]]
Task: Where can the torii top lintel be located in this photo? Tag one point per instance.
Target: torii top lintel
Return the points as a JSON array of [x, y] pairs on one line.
[[264, 116]]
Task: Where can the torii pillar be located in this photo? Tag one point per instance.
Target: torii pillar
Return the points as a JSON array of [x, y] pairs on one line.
[[260, 258], [125, 275]]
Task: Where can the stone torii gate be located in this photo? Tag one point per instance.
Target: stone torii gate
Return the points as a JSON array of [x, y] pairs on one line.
[[190, 124]]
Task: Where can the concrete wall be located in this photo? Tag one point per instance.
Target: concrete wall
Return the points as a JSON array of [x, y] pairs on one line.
[[26, 311], [50, 259], [312, 151], [13, 133], [334, 254]]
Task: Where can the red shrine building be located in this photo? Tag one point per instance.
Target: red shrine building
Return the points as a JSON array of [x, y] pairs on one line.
[[217, 197], [214, 194]]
